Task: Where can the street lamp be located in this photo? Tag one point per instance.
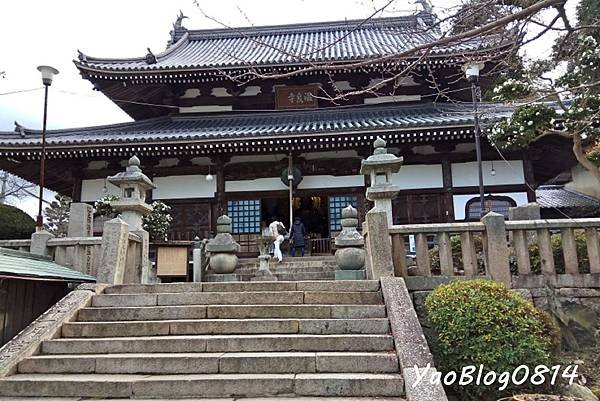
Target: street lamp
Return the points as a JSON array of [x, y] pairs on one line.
[[47, 75], [472, 70]]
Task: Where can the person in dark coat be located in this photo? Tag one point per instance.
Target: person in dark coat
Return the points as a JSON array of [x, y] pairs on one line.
[[297, 234]]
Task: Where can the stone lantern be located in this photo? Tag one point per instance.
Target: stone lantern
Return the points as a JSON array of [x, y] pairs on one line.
[[223, 248], [380, 166], [133, 184], [350, 255]]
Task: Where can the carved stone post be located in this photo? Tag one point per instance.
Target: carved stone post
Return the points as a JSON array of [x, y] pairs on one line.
[[380, 263], [380, 166], [81, 220], [223, 249], [497, 265], [350, 255], [113, 258]]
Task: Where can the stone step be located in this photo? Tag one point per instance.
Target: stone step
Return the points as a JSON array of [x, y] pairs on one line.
[[295, 398], [225, 326], [361, 285], [197, 363], [221, 343], [280, 268], [204, 385], [99, 314], [239, 298], [328, 275]]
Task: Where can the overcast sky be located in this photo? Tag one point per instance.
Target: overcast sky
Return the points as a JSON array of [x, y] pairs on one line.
[[50, 32]]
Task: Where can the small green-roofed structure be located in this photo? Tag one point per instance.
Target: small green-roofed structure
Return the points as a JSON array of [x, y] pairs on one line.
[[24, 265]]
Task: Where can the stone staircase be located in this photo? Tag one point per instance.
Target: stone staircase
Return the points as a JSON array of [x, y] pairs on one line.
[[307, 268], [219, 340]]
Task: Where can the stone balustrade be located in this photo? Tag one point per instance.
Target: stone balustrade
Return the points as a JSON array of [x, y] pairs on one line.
[[543, 230], [501, 241], [22, 245]]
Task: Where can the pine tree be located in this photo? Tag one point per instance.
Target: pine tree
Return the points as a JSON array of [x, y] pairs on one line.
[[57, 216]]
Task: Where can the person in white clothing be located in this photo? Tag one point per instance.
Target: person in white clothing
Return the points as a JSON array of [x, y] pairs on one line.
[[277, 230]]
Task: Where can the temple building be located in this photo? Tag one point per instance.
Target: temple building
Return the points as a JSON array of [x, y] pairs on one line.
[[225, 119]]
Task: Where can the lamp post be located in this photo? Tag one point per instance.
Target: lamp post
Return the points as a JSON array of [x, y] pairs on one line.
[[472, 73], [47, 75]]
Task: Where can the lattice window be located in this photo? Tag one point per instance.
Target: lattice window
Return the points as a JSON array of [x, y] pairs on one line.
[[336, 204], [245, 216], [498, 204]]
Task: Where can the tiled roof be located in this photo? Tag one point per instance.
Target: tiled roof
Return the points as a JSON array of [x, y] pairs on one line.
[[287, 45], [408, 121], [557, 196], [26, 265]]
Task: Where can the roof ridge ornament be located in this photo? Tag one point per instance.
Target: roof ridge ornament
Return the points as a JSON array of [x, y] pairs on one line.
[[426, 4], [20, 129], [150, 57], [81, 56], [177, 27]]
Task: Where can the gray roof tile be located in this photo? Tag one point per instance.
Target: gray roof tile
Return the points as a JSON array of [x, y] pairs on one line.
[[236, 125], [292, 45], [557, 196]]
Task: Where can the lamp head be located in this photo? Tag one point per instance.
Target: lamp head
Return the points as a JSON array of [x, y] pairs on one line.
[[472, 70], [47, 74], [209, 177]]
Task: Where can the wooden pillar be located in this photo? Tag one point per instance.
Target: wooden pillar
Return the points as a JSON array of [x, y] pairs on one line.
[[447, 183], [529, 177], [220, 195]]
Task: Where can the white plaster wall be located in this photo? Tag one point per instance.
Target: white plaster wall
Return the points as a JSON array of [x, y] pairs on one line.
[[460, 201], [91, 190], [465, 174], [419, 176], [183, 187], [330, 181], [308, 182], [259, 184]]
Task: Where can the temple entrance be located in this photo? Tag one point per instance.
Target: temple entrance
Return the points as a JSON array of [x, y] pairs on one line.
[[312, 211]]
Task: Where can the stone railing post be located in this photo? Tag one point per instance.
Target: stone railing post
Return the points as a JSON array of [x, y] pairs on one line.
[[113, 253], [39, 243], [81, 220], [148, 274], [497, 260], [379, 245], [197, 260]]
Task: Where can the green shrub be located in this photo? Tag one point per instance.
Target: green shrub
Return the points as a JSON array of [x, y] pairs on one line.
[[15, 223], [482, 322]]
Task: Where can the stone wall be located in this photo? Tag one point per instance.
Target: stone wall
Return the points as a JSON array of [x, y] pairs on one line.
[[573, 299]]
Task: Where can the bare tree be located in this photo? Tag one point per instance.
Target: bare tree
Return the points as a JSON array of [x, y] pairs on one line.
[[12, 186], [494, 31]]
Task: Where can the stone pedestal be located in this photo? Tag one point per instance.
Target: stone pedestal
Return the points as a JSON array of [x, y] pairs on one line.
[[223, 248], [350, 255], [350, 275], [39, 242], [379, 167], [264, 273]]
